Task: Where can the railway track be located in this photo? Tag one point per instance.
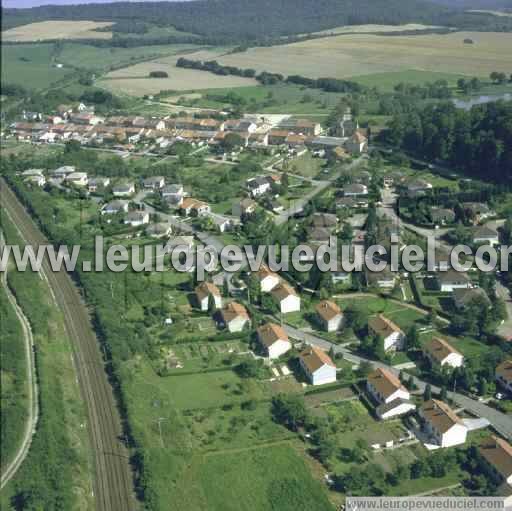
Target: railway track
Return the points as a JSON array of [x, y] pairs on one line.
[[113, 477]]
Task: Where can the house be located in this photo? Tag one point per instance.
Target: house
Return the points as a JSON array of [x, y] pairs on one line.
[[97, 183], [465, 297], [194, 207], [477, 211], [159, 230], [222, 223], [384, 279], [183, 242], [357, 143], [318, 366], [137, 218], [123, 190], [451, 279], [205, 292], [329, 315], [301, 126], [442, 216], [440, 353], [114, 207], [355, 190], [497, 454], [63, 171], [258, 186], [392, 397], [503, 375], [441, 422], [277, 137], [274, 340], [243, 208], [319, 235], [234, 317], [153, 183], [35, 179], [268, 280], [77, 178], [325, 143], [346, 203], [86, 118], [286, 297], [173, 194], [418, 187], [391, 333], [485, 235]]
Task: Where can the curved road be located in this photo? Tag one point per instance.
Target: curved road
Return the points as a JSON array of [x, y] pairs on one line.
[[113, 482], [33, 390]]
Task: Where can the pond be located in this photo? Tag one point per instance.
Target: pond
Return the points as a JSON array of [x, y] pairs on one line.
[[466, 104]]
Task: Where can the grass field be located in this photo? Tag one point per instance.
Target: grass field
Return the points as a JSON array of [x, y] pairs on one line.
[[355, 55], [134, 80], [365, 29], [30, 65], [61, 29]]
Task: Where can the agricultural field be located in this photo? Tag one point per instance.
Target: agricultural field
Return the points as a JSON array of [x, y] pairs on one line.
[[372, 29], [134, 80], [356, 55], [30, 65], [50, 30]]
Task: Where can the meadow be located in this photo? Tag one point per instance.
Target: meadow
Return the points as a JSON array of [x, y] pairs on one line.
[[372, 29], [362, 54], [50, 30]]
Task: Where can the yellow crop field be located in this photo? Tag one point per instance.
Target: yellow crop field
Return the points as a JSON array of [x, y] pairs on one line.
[[45, 30], [362, 54], [134, 80]]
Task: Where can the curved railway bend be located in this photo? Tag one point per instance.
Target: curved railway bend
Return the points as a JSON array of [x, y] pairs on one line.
[[113, 481]]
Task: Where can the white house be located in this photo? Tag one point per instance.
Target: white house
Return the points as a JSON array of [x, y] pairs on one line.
[[63, 171], [274, 340], [97, 183], [77, 178], [318, 366], [173, 194], [137, 218], [442, 424], [204, 291], [485, 235], [451, 279], [392, 334], [154, 183], [392, 396], [497, 454], [258, 186], [194, 207], [441, 353], [329, 315], [286, 297], [234, 317], [36, 179], [504, 375], [123, 190], [222, 223], [115, 206], [267, 279]]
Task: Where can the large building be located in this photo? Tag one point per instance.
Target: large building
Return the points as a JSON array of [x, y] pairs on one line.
[[442, 424], [318, 366]]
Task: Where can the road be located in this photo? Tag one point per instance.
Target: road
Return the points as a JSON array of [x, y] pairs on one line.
[[500, 421], [33, 390], [113, 482]]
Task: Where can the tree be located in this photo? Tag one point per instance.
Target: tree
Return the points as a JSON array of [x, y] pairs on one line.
[[444, 393], [289, 410], [427, 394], [250, 368], [232, 141], [412, 339]]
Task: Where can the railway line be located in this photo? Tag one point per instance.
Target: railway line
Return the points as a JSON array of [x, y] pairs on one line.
[[113, 477]]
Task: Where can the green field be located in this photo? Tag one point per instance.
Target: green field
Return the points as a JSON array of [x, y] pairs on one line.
[[30, 65]]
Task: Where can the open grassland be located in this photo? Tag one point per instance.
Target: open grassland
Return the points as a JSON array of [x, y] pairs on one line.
[[46, 30], [367, 29], [354, 55], [30, 65], [134, 80]]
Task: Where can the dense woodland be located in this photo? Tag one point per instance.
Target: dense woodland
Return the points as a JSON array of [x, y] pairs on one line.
[[245, 20]]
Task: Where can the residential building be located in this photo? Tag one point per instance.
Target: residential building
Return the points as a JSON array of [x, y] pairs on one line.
[[326, 143], [274, 340], [384, 279], [137, 218], [329, 315], [286, 297], [504, 375], [114, 207], [318, 366], [77, 178], [325, 220], [355, 190], [392, 397], [477, 211], [466, 296], [205, 292], [440, 353], [173, 194], [159, 230], [96, 184], [442, 216], [268, 280], [36, 180], [63, 171], [123, 190], [301, 126], [392, 334], [234, 317], [418, 187], [450, 280], [442, 423], [258, 186], [497, 454], [357, 143], [485, 235], [154, 183], [194, 207], [243, 208], [319, 235], [222, 223], [86, 118]]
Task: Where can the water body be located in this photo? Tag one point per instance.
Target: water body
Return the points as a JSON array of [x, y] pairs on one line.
[[466, 104]]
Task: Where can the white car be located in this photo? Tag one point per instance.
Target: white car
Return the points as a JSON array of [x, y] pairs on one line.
[[499, 396]]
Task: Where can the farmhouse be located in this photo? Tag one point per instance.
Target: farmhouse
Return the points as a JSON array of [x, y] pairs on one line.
[[485, 235], [450, 280], [206, 292], [465, 297], [318, 366], [441, 422], [441, 353], [268, 280], [114, 207], [391, 333], [504, 375], [286, 297], [274, 340], [234, 317], [497, 454], [194, 207], [392, 396], [123, 190], [137, 218], [329, 315]]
